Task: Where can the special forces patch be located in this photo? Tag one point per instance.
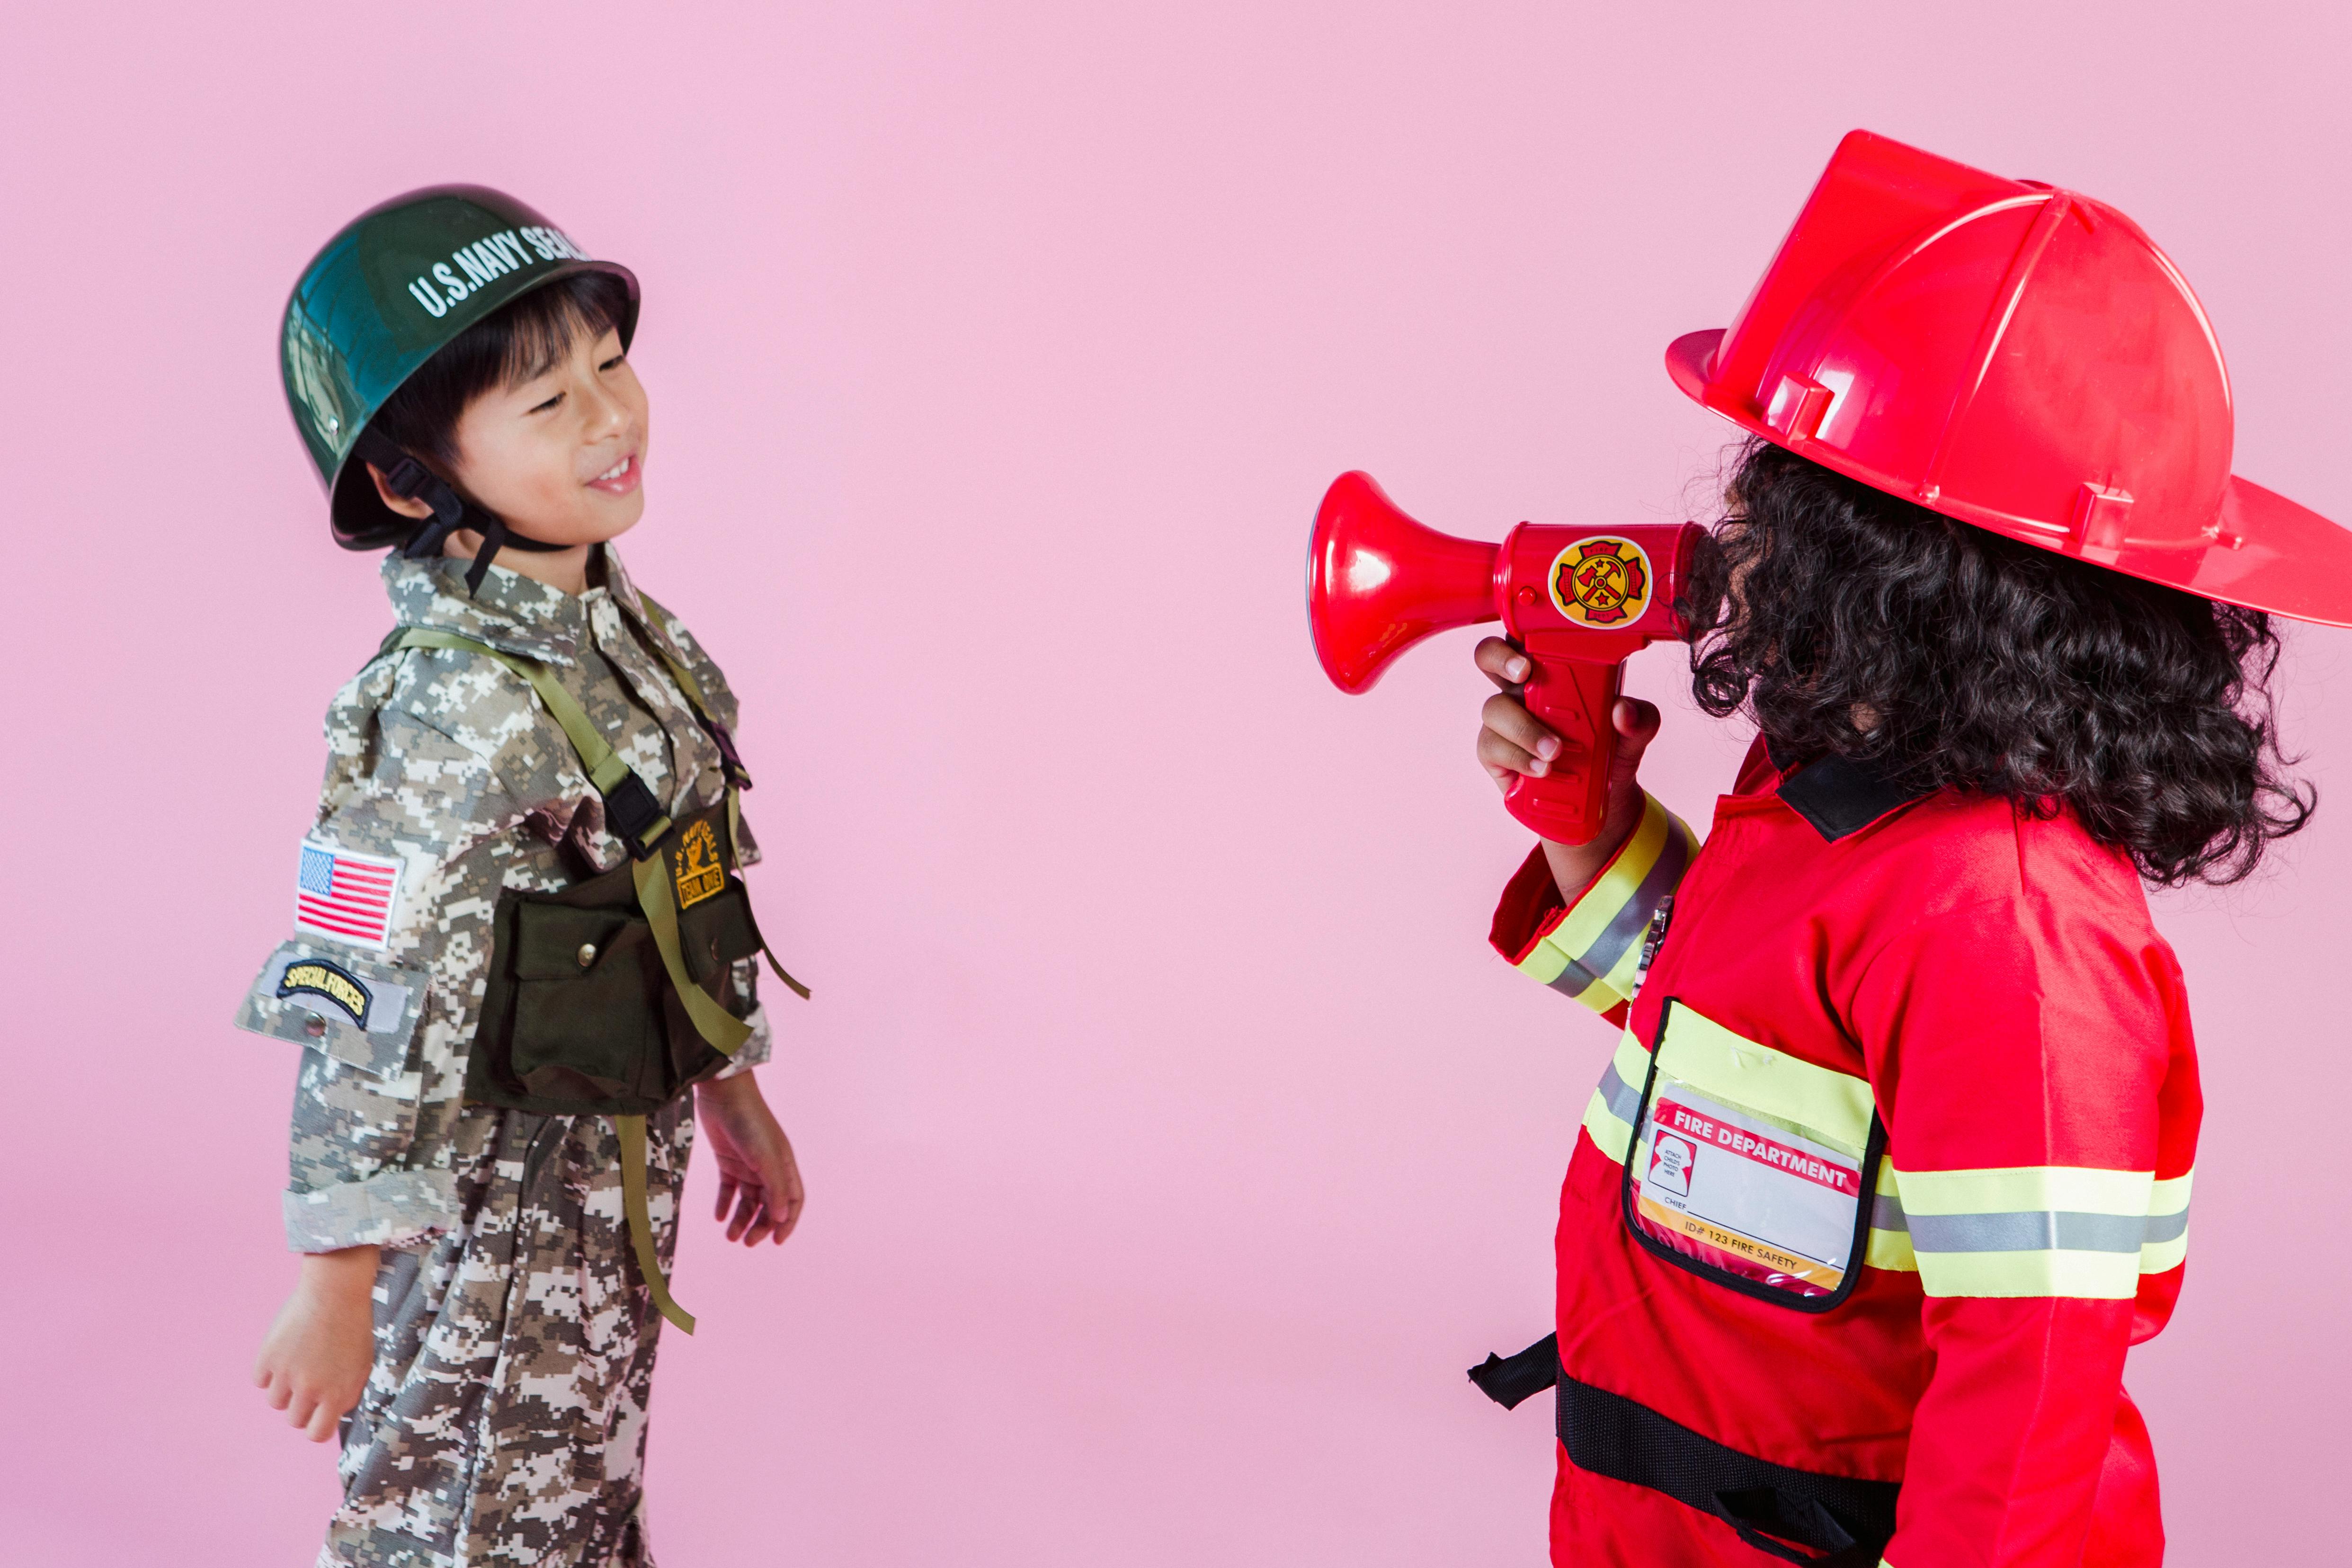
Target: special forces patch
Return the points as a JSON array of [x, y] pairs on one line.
[[317, 977], [1601, 582], [700, 873]]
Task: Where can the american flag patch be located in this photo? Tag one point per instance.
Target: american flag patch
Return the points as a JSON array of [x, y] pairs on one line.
[[346, 897]]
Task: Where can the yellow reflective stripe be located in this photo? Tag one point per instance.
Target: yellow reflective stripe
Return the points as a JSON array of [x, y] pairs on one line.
[[1891, 1249], [1835, 1106], [2041, 1230], [1608, 1117], [1593, 953], [2156, 1257], [1971, 1251], [2047, 1271], [2170, 1196], [2024, 1189], [1603, 994], [2167, 1217], [1611, 1135], [1542, 965], [1890, 1242], [1603, 902]]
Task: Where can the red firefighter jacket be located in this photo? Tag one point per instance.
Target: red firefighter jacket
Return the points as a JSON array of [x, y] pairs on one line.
[[1890, 1165]]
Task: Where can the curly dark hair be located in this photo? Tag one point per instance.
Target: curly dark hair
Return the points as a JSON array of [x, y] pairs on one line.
[[1844, 619]]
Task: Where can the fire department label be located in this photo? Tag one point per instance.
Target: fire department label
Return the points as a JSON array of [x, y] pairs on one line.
[[700, 873], [1601, 582], [1749, 1198]]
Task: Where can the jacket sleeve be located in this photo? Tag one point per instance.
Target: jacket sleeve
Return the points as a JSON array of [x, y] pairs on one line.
[[1589, 947], [2020, 1057], [384, 1028]]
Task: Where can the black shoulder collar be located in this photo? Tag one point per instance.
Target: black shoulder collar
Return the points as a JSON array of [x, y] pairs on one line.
[[1840, 794]]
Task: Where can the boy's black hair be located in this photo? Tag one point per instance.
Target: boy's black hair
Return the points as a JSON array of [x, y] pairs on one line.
[[508, 346], [1846, 620]]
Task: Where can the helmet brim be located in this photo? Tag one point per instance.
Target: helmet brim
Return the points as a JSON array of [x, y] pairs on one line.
[[2267, 553]]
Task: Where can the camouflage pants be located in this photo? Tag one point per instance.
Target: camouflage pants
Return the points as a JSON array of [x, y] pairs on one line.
[[505, 1420]]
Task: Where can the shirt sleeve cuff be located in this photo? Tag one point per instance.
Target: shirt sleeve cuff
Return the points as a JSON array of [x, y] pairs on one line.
[[1589, 947], [383, 1210], [754, 1051]]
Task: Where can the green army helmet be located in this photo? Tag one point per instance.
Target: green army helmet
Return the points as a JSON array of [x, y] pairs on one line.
[[384, 296]]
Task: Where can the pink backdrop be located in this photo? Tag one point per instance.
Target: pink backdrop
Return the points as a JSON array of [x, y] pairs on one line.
[[1174, 1141]]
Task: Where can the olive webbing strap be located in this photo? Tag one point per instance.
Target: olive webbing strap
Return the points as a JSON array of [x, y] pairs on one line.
[[735, 847], [605, 768], [693, 690], [723, 1029], [632, 1131]]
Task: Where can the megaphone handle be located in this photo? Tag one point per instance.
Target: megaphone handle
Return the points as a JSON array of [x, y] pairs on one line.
[[1572, 699]]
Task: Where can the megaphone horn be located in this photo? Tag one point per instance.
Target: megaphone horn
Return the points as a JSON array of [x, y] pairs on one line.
[[1378, 582]]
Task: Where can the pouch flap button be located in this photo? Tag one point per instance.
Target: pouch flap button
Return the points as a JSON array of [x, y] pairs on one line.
[[587, 953]]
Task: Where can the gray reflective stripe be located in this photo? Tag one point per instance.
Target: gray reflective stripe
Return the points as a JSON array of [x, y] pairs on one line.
[[1623, 1098], [1632, 921], [2168, 1226], [1886, 1213], [1573, 981], [2033, 1232]]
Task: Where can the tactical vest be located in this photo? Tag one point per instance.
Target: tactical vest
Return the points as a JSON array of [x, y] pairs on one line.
[[614, 995]]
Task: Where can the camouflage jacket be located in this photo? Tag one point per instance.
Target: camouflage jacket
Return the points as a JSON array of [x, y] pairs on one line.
[[446, 781]]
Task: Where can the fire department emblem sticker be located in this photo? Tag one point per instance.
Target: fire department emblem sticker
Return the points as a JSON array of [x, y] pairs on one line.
[[1601, 582]]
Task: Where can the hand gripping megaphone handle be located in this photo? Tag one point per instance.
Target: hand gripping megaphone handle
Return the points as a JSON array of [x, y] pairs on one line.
[[1571, 696]]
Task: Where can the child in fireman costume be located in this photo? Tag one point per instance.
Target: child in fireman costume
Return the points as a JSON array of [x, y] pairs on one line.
[[521, 939], [1892, 1161]]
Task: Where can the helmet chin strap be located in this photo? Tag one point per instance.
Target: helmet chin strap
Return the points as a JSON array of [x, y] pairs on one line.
[[406, 477]]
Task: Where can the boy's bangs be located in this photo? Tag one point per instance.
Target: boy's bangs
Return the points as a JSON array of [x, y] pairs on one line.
[[544, 327], [517, 344]]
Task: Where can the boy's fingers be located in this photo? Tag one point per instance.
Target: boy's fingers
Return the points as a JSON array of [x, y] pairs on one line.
[[1495, 752], [726, 1195], [1635, 720], [1636, 723], [1504, 665], [747, 1208], [1507, 718]]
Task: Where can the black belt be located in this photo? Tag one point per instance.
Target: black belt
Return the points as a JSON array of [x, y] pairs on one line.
[[1798, 1516]]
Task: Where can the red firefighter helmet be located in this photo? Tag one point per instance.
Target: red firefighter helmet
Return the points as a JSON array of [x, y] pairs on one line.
[[2019, 357]]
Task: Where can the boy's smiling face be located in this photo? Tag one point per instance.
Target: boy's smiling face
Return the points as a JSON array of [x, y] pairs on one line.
[[560, 456]]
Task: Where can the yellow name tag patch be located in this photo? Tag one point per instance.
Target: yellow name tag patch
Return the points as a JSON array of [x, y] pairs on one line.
[[701, 872]]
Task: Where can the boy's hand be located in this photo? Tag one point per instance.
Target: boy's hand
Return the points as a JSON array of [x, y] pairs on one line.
[[757, 1172], [1511, 741], [314, 1361]]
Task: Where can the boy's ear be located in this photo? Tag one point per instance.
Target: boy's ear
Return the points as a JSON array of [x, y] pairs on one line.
[[406, 505]]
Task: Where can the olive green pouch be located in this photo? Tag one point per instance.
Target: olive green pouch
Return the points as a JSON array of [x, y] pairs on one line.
[[580, 1018]]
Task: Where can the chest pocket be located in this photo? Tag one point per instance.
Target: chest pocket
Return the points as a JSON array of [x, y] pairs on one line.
[[1751, 1167]]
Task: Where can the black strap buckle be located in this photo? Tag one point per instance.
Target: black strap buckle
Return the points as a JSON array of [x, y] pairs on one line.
[[631, 812]]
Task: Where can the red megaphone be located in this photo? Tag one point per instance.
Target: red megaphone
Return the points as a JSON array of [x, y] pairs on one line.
[[1579, 601]]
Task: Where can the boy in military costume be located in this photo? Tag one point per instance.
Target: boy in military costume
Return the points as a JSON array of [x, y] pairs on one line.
[[520, 938]]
